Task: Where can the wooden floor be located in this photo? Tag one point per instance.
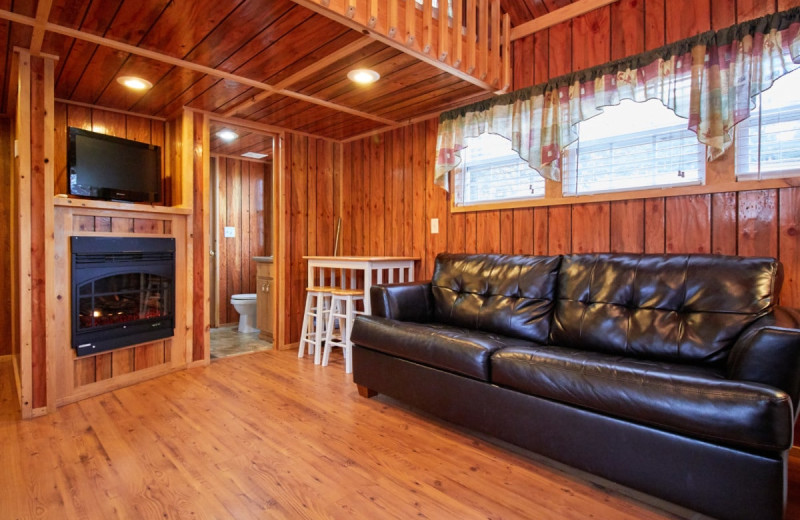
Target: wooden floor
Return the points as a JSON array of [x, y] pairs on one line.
[[269, 436]]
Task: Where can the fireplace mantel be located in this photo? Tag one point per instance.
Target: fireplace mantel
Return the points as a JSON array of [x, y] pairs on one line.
[[71, 202]]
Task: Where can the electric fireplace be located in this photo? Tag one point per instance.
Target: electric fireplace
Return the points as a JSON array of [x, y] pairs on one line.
[[123, 291]]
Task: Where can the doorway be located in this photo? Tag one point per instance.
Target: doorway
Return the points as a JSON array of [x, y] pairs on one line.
[[242, 238]]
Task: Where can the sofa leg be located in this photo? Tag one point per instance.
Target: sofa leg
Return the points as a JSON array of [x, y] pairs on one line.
[[363, 391]]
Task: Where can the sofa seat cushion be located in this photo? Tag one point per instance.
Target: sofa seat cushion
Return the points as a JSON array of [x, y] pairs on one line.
[[692, 401], [446, 347]]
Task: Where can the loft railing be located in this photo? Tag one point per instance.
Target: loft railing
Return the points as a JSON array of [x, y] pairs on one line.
[[468, 38]]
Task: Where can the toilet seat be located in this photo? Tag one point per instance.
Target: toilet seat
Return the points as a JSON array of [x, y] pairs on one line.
[[244, 297]]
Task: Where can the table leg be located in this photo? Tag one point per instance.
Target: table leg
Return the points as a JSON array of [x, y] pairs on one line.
[[367, 285]]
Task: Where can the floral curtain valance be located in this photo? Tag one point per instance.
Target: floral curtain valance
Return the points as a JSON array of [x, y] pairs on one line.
[[710, 80]]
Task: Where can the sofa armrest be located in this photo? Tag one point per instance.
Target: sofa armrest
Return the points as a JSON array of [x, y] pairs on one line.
[[768, 352], [411, 301]]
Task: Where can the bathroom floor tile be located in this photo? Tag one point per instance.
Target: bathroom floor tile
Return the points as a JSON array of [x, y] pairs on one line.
[[228, 341]]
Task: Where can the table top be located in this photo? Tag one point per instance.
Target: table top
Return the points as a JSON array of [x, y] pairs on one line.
[[362, 258]]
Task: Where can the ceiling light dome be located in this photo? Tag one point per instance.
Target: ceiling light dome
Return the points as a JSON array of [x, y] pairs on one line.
[[227, 135], [134, 83], [363, 76]]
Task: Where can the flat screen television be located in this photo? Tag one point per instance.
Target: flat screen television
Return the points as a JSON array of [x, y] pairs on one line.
[[110, 168]]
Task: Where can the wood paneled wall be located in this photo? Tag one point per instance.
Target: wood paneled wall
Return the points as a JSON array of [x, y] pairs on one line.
[[142, 129], [6, 169], [243, 192], [313, 191], [391, 197]]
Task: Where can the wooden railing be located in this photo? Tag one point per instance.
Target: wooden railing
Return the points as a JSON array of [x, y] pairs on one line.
[[473, 42]]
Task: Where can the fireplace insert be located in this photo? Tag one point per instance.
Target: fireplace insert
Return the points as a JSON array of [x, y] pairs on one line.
[[123, 291]]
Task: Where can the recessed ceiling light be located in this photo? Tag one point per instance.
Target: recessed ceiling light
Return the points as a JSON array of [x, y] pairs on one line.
[[227, 135], [132, 82], [363, 76], [254, 155]]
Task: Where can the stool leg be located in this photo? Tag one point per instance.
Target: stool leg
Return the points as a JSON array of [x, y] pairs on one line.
[[320, 328], [335, 302], [304, 329], [348, 328]]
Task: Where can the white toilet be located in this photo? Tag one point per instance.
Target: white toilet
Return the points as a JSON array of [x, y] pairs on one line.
[[245, 305]]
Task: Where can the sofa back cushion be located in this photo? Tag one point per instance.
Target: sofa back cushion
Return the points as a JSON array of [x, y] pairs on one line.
[[503, 294], [685, 308]]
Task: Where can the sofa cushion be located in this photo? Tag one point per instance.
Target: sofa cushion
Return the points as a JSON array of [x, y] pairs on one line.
[[686, 308], [441, 346], [504, 294], [693, 401]]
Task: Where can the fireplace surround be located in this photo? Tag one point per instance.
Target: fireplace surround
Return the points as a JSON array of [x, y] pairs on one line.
[[123, 291]]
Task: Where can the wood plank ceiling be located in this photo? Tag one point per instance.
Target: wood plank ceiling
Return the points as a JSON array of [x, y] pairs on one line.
[[219, 56]]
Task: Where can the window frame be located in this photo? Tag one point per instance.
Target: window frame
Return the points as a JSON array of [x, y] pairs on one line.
[[767, 117], [720, 177]]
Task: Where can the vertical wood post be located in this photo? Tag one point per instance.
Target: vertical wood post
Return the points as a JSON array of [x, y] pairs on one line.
[[23, 225], [201, 237], [35, 134]]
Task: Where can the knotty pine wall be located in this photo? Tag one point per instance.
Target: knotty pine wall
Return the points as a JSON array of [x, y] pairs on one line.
[[6, 158], [243, 193], [142, 129], [312, 184]]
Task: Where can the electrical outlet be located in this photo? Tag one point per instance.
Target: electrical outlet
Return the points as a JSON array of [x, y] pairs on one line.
[[230, 232], [434, 226]]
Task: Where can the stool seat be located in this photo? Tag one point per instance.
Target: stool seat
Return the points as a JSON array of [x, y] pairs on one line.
[[320, 288], [347, 292]]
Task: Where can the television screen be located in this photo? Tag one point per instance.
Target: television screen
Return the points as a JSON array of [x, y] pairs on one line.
[[111, 168]]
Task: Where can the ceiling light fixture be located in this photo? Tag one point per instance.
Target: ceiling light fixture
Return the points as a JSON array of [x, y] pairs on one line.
[[227, 135], [254, 155], [363, 76], [134, 83]]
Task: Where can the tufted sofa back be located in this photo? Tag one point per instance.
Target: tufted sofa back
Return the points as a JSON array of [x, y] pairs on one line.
[[508, 295], [685, 308]]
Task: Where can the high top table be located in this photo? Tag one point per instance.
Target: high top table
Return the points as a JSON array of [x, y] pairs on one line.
[[339, 271]]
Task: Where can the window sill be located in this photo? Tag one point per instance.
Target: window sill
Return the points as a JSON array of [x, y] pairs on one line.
[[711, 187]]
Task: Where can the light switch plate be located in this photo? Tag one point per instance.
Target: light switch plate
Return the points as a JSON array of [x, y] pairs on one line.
[[230, 232], [434, 226]]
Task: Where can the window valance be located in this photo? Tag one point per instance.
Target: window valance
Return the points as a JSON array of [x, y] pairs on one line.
[[709, 79]]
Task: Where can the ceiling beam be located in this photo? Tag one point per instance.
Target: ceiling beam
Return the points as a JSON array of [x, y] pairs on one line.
[[330, 59], [42, 14], [558, 16], [177, 62], [328, 12]]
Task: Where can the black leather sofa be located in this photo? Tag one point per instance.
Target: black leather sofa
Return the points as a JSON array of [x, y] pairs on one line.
[[677, 375]]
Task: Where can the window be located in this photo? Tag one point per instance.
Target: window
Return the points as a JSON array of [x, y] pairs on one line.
[[632, 146], [491, 171], [768, 142]]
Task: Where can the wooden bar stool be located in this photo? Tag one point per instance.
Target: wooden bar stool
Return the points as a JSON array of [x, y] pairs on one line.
[[315, 318], [346, 315]]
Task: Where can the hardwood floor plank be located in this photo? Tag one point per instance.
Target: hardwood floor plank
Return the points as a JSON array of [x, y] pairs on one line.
[[269, 435]]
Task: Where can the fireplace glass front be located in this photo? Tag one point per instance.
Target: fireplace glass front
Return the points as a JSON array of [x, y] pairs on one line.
[[123, 291]]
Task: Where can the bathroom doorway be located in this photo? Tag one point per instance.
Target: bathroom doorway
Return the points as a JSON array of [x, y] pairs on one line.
[[242, 238]]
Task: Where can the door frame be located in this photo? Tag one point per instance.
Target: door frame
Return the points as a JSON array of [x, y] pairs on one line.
[[278, 221]]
